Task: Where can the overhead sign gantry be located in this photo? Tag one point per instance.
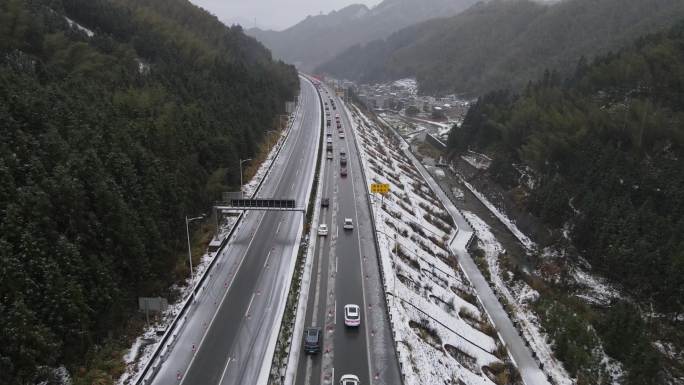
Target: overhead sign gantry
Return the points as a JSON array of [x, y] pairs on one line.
[[259, 205]]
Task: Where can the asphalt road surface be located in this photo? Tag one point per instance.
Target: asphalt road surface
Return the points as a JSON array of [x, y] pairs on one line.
[[226, 336], [345, 272]]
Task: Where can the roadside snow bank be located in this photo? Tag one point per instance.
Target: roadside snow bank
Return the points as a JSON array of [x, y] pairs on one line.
[[145, 346], [518, 298], [510, 225]]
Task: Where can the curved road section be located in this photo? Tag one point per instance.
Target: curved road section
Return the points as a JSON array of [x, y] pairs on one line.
[[228, 335]]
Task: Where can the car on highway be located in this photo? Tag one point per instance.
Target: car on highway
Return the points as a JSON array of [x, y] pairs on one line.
[[323, 229], [349, 379], [341, 134], [330, 155], [343, 171], [352, 315], [348, 224], [325, 202], [312, 340]]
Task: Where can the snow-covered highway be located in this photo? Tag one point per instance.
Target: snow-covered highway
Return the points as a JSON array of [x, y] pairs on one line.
[[228, 337]]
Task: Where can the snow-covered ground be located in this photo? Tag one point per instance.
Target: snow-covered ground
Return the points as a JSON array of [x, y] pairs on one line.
[[479, 161], [592, 289], [519, 297], [408, 84], [72, 24], [145, 345], [442, 127], [440, 330], [596, 290], [510, 225]]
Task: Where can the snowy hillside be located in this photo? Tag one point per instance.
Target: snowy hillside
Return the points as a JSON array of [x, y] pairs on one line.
[[442, 334]]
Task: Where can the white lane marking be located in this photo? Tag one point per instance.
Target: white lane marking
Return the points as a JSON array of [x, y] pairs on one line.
[[321, 249], [278, 163], [292, 188], [278, 228], [307, 378], [333, 375], [250, 305], [206, 331], [363, 286], [335, 314], [267, 257], [224, 370]]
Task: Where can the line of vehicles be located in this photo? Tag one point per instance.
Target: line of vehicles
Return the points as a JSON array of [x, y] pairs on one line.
[[313, 336]]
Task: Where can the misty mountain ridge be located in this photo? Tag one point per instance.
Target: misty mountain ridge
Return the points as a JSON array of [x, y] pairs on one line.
[[503, 44], [319, 38]]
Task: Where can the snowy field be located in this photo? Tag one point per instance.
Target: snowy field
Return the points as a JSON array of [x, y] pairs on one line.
[[441, 332]]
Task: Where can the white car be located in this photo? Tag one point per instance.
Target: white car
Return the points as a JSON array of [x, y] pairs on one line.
[[323, 229], [352, 315], [349, 379], [348, 224]]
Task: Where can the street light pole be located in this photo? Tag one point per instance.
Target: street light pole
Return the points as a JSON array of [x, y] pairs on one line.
[[187, 233], [241, 162]]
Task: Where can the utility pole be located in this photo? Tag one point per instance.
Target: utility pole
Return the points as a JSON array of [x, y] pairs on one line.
[[187, 232]]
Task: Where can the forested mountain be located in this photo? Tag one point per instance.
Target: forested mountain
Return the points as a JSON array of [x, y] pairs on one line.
[[317, 39], [606, 148], [113, 129], [503, 43]]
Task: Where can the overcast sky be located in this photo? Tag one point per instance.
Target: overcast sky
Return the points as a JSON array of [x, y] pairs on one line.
[[272, 14]]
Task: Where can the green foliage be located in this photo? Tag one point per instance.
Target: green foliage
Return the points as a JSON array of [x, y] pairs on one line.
[[608, 144], [503, 44], [577, 329], [107, 142], [635, 349], [573, 337], [607, 153], [570, 324], [412, 110]]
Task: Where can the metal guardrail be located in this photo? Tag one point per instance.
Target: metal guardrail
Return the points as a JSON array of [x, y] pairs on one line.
[[442, 324], [296, 331], [164, 346]]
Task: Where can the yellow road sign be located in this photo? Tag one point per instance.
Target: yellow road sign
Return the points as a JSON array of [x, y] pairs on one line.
[[380, 188]]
